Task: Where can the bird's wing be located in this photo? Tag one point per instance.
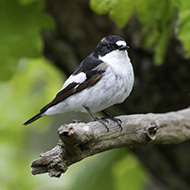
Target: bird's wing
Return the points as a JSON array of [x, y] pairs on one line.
[[86, 75]]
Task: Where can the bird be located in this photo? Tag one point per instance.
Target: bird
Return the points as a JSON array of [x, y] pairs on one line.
[[103, 78]]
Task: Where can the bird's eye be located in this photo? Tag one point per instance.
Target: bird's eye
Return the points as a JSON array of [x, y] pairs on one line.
[[108, 46]]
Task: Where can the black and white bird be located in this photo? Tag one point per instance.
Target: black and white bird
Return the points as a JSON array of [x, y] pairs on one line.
[[103, 79]]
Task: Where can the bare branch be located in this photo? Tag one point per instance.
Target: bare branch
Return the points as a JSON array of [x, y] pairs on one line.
[[79, 140]]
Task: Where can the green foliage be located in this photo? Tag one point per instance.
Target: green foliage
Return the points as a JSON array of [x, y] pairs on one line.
[[21, 24], [128, 173], [119, 10], [101, 7], [20, 98], [112, 170], [158, 23], [184, 23], [158, 19]]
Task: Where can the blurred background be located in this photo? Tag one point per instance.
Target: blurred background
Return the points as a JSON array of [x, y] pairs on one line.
[[41, 44]]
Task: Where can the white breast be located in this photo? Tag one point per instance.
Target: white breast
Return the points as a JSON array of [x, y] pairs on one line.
[[121, 65]]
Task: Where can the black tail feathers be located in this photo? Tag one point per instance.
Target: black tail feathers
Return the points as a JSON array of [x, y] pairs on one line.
[[33, 119]]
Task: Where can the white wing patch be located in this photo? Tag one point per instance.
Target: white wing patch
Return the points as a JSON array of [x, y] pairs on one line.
[[121, 43], [79, 78]]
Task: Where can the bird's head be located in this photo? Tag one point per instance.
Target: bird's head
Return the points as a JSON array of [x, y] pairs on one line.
[[109, 44]]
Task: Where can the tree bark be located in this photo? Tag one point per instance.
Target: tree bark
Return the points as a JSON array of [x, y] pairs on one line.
[[79, 140]]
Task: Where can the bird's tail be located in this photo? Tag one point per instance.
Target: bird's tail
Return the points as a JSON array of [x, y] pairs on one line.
[[33, 119]]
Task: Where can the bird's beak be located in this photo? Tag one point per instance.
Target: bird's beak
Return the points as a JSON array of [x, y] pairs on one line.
[[124, 48]]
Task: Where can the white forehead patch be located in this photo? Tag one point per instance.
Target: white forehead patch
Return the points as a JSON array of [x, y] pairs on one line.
[[121, 43]]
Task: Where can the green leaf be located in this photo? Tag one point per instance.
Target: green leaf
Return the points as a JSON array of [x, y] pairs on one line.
[[162, 44], [121, 12], [101, 6], [177, 3], [140, 6], [25, 2], [20, 33], [158, 25], [184, 24]]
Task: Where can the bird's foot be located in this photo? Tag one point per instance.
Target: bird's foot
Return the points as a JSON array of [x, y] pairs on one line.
[[116, 120], [102, 121]]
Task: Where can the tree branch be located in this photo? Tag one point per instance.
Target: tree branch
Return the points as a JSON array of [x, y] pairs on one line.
[[79, 140]]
